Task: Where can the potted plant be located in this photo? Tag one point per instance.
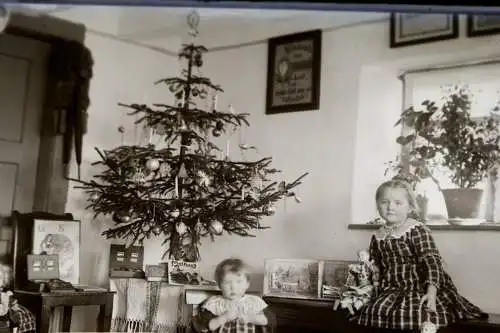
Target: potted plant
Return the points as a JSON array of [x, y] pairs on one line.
[[447, 139]]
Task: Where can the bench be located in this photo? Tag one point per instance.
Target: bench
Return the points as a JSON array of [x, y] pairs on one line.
[[318, 316]]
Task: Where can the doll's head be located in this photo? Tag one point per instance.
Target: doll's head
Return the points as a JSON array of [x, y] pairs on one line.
[[5, 276], [395, 201], [233, 278], [363, 256]]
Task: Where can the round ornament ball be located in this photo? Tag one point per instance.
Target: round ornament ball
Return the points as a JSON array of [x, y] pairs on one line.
[[175, 213], [153, 164], [94, 197], [181, 228], [216, 227]]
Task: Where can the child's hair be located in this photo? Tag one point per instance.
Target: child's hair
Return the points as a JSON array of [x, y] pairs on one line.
[[230, 265], [398, 183]]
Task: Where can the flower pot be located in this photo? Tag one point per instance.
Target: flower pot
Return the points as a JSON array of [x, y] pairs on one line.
[[463, 204]]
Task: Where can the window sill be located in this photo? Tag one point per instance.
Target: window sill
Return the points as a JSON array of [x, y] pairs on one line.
[[442, 225]]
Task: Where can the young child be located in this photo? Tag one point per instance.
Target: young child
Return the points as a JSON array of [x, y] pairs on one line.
[[413, 287], [233, 311]]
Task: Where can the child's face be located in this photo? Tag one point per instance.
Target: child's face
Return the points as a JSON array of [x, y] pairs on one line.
[[234, 285], [393, 205]]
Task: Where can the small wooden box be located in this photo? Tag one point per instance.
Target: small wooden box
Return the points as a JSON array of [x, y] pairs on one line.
[[126, 262], [42, 267]]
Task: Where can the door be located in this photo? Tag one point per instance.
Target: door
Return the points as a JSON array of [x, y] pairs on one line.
[[22, 81]]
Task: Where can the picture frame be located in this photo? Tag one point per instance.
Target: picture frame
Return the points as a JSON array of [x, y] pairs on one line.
[[22, 241], [294, 72], [60, 238], [291, 278], [333, 277], [419, 28], [482, 25]]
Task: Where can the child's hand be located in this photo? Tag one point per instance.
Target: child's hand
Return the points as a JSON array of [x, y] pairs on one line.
[[430, 299], [230, 315]]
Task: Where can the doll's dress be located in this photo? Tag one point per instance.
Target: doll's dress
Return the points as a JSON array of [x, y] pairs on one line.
[[409, 261], [246, 305]]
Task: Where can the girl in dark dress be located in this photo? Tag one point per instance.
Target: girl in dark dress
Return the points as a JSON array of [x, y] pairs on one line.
[[413, 286]]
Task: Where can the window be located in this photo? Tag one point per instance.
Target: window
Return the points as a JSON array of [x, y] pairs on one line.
[[484, 83]]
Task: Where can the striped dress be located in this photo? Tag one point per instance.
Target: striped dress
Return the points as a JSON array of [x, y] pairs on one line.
[[409, 261]]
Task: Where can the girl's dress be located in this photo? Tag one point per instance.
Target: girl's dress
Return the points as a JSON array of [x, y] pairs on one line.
[[246, 305], [409, 261]]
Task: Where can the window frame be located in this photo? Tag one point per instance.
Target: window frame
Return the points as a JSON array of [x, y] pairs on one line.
[[491, 190]]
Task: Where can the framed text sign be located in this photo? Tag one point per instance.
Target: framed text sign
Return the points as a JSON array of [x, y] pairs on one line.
[[293, 72]]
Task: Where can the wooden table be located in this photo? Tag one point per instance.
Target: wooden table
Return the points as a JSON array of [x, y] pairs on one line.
[[43, 304]]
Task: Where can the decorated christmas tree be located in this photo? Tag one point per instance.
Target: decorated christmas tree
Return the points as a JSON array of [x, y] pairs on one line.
[[190, 188]]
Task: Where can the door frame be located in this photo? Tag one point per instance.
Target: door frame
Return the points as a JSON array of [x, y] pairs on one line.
[[52, 184]]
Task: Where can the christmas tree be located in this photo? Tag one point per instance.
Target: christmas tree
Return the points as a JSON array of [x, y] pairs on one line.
[[186, 190]]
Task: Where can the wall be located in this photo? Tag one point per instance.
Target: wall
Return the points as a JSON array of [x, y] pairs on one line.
[[343, 146], [122, 73]]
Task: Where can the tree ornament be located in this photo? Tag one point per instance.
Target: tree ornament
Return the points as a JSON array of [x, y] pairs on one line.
[[157, 231], [139, 177], [161, 129], [203, 93], [198, 227], [271, 209], [181, 228], [175, 213], [172, 88], [182, 171], [216, 132], [203, 179], [164, 170], [121, 217], [216, 227], [94, 197], [153, 164]]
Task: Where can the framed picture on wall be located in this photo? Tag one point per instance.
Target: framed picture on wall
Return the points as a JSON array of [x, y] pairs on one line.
[[418, 28], [60, 238], [293, 72], [483, 25], [291, 278]]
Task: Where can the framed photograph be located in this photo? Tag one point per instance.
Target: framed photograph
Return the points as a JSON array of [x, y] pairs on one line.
[[294, 72], [418, 28], [483, 25], [60, 238], [333, 277], [291, 278]]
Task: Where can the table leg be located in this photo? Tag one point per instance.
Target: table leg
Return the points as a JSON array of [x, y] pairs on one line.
[[45, 314], [105, 313], [66, 322]]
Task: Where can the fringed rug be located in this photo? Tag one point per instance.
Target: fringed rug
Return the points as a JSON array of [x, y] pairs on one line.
[[141, 306]]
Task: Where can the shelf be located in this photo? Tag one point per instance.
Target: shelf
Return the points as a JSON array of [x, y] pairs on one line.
[[435, 226]]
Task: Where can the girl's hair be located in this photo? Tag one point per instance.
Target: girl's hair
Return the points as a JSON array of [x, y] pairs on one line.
[[397, 183], [231, 265]]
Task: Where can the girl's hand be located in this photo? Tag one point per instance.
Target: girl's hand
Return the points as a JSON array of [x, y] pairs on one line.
[[430, 299]]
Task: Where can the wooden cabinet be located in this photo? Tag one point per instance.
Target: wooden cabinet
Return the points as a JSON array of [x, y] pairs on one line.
[[318, 316]]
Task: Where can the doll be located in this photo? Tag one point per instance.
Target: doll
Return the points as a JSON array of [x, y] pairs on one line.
[[361, 283]]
